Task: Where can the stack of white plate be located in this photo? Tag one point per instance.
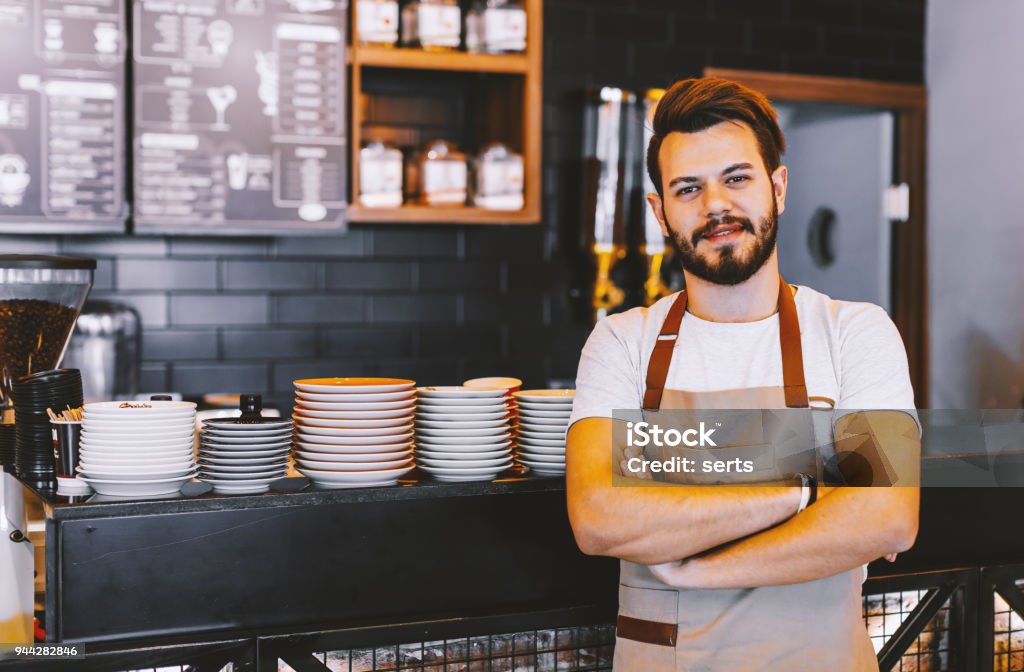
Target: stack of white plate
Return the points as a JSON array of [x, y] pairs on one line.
[[354, 432], [543, 421], [243, 457], [463, 434], [137, 449]]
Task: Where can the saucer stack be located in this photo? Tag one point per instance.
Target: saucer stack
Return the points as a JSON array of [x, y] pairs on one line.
[[354, 432], [462, 433], [543, 421], [137, 449], [244, 456]]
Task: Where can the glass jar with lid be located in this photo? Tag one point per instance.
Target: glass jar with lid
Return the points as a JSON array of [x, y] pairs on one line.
[[433, 25], [443, 174], [498, 174], [496, 27], [380, 175], [377, 22]]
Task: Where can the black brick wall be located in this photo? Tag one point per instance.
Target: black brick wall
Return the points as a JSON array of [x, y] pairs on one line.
[[438, 303]]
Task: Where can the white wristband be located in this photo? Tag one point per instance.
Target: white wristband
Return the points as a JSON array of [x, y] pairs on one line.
[[805, 493]]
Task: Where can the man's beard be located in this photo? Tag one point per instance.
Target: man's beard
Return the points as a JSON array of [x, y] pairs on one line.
[[729, 269]]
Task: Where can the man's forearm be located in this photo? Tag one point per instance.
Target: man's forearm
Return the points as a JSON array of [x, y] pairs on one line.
[[848, 528]]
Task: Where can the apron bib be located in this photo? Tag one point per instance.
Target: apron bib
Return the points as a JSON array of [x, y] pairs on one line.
[[809, 626]]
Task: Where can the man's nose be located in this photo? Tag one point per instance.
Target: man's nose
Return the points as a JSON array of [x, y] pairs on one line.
[[716, 200]]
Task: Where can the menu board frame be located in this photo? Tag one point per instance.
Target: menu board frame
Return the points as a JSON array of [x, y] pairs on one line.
[[73, 95], [232, 166]]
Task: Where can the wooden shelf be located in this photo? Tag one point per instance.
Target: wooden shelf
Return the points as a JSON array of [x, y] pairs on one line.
[[458, 61], [431, 215]]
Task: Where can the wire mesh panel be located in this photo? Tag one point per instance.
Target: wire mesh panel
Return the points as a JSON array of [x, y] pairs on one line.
[[577, 648], [932, 651], [1009, 636]]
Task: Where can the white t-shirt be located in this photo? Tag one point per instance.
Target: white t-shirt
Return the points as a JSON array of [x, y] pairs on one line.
[[852, 354]]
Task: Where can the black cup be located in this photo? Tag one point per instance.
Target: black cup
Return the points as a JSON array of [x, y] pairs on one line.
[[66, 436]]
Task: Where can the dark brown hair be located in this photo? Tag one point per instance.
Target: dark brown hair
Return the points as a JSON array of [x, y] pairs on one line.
[[692, 105]]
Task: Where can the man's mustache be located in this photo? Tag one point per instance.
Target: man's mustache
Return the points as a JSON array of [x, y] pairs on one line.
[[744, 223]]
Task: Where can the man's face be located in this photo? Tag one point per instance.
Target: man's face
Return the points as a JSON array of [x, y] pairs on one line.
[[720, 207]]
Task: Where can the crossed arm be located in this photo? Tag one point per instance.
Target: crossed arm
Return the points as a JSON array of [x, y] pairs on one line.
[[742, 536]]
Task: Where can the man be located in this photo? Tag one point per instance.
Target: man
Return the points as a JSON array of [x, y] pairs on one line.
[[754, 576]]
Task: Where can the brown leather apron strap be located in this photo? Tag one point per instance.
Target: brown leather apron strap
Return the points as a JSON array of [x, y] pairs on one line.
[[661, 357], [648, 632], [795, 386]]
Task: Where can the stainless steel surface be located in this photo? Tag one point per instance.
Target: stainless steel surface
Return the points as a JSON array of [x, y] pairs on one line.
[[106, 346]]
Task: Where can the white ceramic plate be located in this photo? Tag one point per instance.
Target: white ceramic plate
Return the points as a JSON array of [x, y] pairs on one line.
[[542, 423], [473, 402], [406, 395], [218, 467], [243, 454], [241, 476], [321, 420], [97, 463], [404, 411], [458, 392], [461, 465], [484, 434], [151, 488], [242, 461], [560, 406], [445, 409], [462, 424], [363, 409], [344, 479], [545, 443], [130, 474], [353, 385], [360, 449], [232, 425], [342, 428], [209, 430], [541, 469], [352, 466], [544, 436], [467, 455], [137, 424], [538, 457], [447, 418], [127, 437], [265, 447], [462, 442], [382, 435], [490, 472], [139, 407], [255, 441], [130, 443], [542, 396], [135, 454], [492, 382], [386, 456], [532, 449], [530, 414]]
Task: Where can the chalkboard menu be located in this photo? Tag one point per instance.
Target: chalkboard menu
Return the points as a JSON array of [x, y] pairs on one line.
[[62, 130], [239, 116]]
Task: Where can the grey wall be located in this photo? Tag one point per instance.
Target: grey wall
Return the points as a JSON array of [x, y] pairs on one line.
[[443, 303], [975, 225]]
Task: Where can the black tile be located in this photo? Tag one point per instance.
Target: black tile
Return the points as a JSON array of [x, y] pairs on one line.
[[355, 243], [417, 242], [217, 309], [891, 72], [213, 377], [153, 377], [371, 275], [152, 308], [564, 19], [166, 274], [219, 247], [423, 308], [365, 342], [746, 9], [694, 33], [172, 345], [663, 65], [530, 370], [105, 246], [326, 309], [468, 276], [514, 307], [907, 47], [425, 371], [851, 44], [285, 373], [504, 242], [536, 277], [271, 275], [612, 25], [823, 12], [816, 65], [791, 39], [732, 58], [269, 344], [466, 340], [892, 16]]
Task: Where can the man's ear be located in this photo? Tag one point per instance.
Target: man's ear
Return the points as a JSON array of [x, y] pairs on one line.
[[659, 211], [779, 182]]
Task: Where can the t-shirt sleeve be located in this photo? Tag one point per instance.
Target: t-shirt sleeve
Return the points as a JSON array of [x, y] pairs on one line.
[[607, 376], [875, 374]]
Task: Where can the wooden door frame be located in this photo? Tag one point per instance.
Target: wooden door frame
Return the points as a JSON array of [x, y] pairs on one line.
[[909, 273]]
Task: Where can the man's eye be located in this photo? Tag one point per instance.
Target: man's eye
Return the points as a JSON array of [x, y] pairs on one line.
[[737, 178], [686, 190]]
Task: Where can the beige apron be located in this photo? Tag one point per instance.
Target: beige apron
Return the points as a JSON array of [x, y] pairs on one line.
[[809, 626]]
